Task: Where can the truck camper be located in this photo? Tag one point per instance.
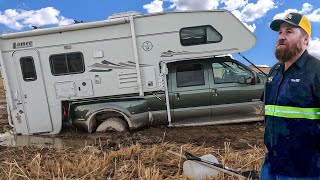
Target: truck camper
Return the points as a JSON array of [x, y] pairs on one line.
[[132, 70]]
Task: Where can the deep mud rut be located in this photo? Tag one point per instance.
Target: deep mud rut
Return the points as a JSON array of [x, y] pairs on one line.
[[241, 136]]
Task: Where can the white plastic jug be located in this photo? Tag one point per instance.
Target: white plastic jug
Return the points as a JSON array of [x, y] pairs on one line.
[[198, 171]]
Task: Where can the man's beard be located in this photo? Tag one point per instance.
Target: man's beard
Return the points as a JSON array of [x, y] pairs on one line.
[[285, 53]]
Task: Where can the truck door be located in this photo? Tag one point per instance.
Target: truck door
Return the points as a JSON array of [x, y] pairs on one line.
[[231, 100], [32, 91], [190, 93]]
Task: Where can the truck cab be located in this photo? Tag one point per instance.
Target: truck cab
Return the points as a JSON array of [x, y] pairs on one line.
[[214, 91]]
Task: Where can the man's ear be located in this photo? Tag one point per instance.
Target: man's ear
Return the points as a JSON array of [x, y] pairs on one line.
[[306, 40]]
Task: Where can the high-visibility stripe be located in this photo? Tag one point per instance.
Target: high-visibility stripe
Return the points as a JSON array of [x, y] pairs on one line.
[[292, 112]]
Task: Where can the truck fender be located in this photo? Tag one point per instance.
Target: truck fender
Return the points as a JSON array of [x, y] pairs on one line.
[[91, 120]]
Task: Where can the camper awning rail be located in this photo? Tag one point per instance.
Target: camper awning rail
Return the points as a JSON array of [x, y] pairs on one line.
[[73, 27]]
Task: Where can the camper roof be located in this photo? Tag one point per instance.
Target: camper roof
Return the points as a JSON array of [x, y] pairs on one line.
[[215, 33], [119, 18]]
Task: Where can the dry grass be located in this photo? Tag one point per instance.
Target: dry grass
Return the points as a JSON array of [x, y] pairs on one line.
[[133, 162]]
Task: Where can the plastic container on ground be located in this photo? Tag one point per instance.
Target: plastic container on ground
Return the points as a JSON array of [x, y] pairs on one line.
[[196, 171]]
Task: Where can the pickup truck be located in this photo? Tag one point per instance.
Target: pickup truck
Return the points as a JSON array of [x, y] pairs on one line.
[[217, 90]]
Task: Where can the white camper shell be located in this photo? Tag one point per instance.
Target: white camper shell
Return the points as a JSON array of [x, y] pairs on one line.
[[43, 67]]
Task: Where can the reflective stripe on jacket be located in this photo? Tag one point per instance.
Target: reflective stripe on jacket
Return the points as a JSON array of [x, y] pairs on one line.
[[292, 112]]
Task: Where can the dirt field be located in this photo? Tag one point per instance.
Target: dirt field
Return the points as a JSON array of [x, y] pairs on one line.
[[3, 109], [133, 155]]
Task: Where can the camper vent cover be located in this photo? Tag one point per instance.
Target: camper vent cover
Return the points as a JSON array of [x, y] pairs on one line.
[[124, 14], [127, 78]]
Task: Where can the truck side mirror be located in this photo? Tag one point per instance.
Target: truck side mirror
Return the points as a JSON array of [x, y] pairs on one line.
[[242, 80], [254, 78], [251, 80]]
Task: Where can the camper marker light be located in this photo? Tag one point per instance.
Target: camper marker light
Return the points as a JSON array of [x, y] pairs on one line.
[[133, 112], [64, 112]]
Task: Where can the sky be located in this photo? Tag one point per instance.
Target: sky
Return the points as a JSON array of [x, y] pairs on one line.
[[21, 15]]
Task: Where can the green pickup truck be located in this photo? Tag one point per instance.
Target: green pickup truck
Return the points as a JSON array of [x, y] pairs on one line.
[[217, 90]]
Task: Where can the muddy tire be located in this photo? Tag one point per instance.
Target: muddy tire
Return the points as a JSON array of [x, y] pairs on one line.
[[113, 124]]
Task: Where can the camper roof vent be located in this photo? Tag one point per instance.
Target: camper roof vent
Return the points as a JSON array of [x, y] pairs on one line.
[[124, 14]]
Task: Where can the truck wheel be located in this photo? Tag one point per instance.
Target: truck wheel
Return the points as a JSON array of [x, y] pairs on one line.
[[113, 124]]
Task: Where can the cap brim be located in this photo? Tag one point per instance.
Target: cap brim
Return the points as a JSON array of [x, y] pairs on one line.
[[275, 25]]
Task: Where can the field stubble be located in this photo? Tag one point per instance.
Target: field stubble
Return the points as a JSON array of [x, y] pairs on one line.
[[135, 155]]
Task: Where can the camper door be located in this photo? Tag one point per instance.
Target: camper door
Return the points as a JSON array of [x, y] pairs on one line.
[[32, 91]]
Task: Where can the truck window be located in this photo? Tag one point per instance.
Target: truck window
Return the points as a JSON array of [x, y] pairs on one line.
[[69, 63], [28, 69], [190, 75], [228, 72], [199, 35]]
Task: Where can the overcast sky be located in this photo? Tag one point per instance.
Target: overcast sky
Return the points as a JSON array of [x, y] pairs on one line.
[[20, 15]]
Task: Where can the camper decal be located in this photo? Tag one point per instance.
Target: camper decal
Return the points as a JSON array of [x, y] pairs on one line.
[[107, 66], [170, 53], [147, 46]]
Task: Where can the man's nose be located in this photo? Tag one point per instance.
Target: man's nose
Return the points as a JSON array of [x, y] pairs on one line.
[[282, 36]]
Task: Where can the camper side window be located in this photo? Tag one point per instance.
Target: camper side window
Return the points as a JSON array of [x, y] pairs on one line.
[[28, 69], [70, 63], [199, 35], [190, 75]]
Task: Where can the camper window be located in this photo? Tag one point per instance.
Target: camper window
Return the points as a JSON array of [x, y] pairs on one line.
[[28, 69], [199, 35], [190, 75], [70, 63]]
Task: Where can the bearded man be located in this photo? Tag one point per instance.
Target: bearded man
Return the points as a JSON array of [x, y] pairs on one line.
[[292, 105]]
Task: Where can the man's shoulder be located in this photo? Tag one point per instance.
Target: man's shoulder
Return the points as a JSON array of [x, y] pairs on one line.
[[274, 67], [311, 57], [313, 69], [313, 62], [277, 65]]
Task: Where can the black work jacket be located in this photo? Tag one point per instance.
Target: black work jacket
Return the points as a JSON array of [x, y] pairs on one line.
[[292, 107]]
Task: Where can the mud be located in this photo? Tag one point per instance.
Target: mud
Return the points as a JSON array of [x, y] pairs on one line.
[[7, 139], [241, 136]]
